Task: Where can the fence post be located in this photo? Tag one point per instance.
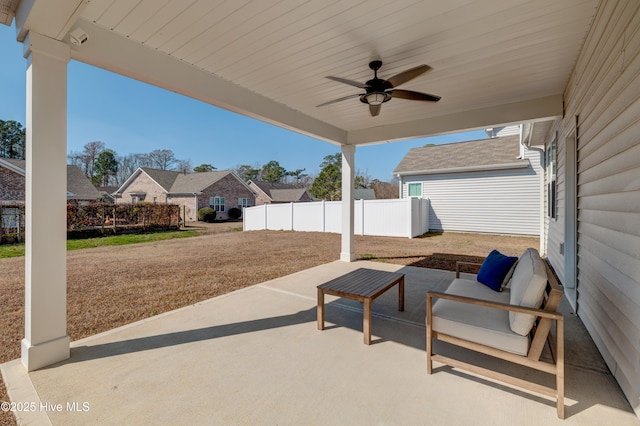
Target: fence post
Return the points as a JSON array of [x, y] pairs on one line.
[[265, 216], [292, 216], [323, 216], [410, 214], [362, 216]]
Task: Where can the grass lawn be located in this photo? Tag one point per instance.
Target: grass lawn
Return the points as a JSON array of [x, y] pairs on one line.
[[111, 286], [17, 250]]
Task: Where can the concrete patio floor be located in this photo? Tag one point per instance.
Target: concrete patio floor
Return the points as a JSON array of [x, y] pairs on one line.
[[255, 356]]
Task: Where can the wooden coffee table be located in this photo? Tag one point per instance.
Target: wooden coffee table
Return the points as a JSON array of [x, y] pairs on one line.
[[363, 285]]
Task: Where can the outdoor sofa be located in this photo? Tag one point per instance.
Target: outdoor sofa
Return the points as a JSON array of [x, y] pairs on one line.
[[513, 324]]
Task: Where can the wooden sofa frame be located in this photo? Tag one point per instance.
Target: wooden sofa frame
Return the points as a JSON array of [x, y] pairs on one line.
[[539, 335]]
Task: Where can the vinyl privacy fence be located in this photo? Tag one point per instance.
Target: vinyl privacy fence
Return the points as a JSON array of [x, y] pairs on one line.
[[407, 217]]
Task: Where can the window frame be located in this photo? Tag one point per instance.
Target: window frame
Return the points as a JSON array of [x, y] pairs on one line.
[[217, 203], [244, 202], [414, 184]]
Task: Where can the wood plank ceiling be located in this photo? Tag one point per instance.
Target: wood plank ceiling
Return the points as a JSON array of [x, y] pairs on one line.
[[484, 53]]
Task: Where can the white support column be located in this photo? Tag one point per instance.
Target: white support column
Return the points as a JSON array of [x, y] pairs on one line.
[[347, 254], [46, 341]]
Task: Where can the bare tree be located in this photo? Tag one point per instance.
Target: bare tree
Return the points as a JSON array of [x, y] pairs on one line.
[[126, 166], [90, 154], [163, 159], [184, 166], [385, 190]]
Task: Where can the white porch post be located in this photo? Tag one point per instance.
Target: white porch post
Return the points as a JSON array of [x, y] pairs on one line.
[[347, 254], [46, 340]]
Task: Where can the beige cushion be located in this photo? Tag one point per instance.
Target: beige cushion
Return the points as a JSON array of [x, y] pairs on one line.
[[507, 278], [478, 324], [527, 287]]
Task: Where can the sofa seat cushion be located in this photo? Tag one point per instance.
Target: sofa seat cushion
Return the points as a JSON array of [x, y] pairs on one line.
[[527, 286], [479, 324]]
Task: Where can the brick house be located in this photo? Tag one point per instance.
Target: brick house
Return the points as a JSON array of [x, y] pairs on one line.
[[12, 183], [276, 193], [221, 190]]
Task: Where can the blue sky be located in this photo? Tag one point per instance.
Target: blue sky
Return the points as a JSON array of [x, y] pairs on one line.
[[133, 117]]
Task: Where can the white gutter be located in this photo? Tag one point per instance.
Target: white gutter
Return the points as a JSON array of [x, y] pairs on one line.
[[516, 165], [13, 167], [526, 131]]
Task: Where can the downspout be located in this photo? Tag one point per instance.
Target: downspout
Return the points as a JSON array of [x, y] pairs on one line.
[[399, 185], [195, 199], [526, 131]]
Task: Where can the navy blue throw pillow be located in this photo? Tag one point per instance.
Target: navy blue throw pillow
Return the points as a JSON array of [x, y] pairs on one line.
[[494, 268]]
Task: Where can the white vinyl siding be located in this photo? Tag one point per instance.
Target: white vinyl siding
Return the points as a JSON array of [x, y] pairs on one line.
[[555, 227], [498, 201], [604, 93]]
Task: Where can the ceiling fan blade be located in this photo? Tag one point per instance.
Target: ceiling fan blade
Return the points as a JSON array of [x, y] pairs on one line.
[[407, 75], [375, 109], [349, 82], [344, 98], [414, 96]]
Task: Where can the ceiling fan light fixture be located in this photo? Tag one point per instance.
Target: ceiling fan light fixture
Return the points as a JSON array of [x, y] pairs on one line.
[[376, 98]]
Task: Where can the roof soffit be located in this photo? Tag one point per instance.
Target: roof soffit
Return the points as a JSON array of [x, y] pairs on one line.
[[494, 62]]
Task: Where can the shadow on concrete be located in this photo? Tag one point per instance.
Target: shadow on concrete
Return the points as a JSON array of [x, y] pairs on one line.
[[85, 353]]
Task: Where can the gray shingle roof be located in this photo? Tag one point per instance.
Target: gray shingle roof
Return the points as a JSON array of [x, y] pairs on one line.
[[462, 155], [287, 195], [164, 178], [364, 194], [194, 182], [180, 183], [79, 187], [281, 192]]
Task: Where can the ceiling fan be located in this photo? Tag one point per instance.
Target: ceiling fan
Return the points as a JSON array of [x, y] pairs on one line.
[[378, 91]]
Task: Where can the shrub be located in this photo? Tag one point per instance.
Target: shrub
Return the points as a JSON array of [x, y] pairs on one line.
[[234, 213], [207, 214]]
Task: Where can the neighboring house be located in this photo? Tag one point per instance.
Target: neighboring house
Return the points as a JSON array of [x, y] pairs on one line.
[[106, 193], [220, 190], [364, 194], [276, 193], [489, 185], [80, 190], [12, 183]]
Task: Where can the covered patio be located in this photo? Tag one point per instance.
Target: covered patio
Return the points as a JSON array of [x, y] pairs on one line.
[[255, 356], [568, 69]]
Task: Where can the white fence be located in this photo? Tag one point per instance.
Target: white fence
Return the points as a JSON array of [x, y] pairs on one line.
[[407, 217]]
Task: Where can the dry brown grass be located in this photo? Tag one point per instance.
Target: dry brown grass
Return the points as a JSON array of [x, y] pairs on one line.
[[112, 286]]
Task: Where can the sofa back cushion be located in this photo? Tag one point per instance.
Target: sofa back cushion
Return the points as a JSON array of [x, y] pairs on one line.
[[528, 284]]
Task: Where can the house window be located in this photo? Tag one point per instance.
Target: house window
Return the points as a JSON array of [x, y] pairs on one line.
[[169, 200], [155, 200], [217, 203], [415, 190], [134, 199], [244, 202], [552, 196]]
